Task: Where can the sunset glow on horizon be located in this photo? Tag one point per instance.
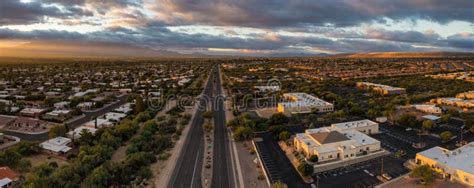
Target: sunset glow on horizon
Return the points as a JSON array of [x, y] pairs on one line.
[[257, 28]]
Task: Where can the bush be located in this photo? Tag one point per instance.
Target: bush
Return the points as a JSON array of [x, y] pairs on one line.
[[208, 114], [446, 136], [313, 158], [243, 133], [285, 135], [424, 172], [278, 119], [305, 169]]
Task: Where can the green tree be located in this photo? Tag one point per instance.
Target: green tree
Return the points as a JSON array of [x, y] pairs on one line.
[[427, 125], [446, 135], [445, 118], [279, 185], [58, 130], [24, 165], [278, 119], [100, 177], [242, 133], [139, 104], [208, 114], [208, 127], [305, 169], [313, 158], [407, 120], [9, 157], [424, 172], [285, 135]]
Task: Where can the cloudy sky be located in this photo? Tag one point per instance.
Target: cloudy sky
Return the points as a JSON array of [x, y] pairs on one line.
[[229, 27]]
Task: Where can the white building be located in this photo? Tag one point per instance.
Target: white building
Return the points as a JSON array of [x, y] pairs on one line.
[[456, 165], [380, 88], [365, 126], [303, 103], [86, 105], [100, 122], [125, 108], [76, 133], [58, 145], [61, 105], [428, 108], [114, 116], [339, 142], [267, 88]]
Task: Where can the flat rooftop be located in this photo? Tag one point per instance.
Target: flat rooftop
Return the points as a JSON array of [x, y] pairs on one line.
[[460, 158], [303, 99], [354, 124]]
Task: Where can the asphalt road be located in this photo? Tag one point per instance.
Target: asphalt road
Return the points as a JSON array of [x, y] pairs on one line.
[[187, 173], [90, 115], [222, 164]]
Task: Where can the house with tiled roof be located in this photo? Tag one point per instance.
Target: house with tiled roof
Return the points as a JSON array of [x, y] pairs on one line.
[[8, 178]]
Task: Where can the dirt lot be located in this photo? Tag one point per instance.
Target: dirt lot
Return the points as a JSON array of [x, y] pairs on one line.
[[39, 159]]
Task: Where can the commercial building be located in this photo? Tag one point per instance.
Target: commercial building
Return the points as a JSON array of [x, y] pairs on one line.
[[382, 89], [365, 126], [451, 101], [303, 103], [428, 108], [466, 95], [58, 145], [339, 142], [269, 88], [455, 165]]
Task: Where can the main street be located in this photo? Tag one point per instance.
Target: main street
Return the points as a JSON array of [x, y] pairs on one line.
[[222, 167], [187, 173]]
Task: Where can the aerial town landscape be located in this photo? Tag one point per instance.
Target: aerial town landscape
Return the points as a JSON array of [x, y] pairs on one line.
[[244, 94]]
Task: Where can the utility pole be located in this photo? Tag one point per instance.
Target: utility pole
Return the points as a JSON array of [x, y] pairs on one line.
[[381, 169], [317, 181]]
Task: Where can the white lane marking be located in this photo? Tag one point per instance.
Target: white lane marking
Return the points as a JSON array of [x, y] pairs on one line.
[[239, 170], [194, 171]]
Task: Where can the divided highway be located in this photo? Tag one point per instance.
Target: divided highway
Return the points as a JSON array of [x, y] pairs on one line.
[[222, 167], [187, 173]]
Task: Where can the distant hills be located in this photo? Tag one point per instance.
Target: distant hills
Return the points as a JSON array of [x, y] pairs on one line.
[[404, 54], [64, 49]]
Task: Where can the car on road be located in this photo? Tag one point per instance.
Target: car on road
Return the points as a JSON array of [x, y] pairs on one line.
[[387, 176]]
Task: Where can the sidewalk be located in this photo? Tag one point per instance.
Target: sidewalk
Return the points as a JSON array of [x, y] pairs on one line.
[[162, 170]]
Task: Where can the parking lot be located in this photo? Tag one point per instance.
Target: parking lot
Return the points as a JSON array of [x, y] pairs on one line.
[[277, 164], [362, 174]]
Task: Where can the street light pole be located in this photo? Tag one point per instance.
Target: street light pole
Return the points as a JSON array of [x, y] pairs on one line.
[[381, 169]]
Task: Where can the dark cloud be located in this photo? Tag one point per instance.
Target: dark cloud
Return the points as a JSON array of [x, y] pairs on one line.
[[328, 18], [465, 41], [283, 13], [156, 37], [15, 12]]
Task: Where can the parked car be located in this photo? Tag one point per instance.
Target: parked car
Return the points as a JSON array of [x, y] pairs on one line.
[[387, 176]]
